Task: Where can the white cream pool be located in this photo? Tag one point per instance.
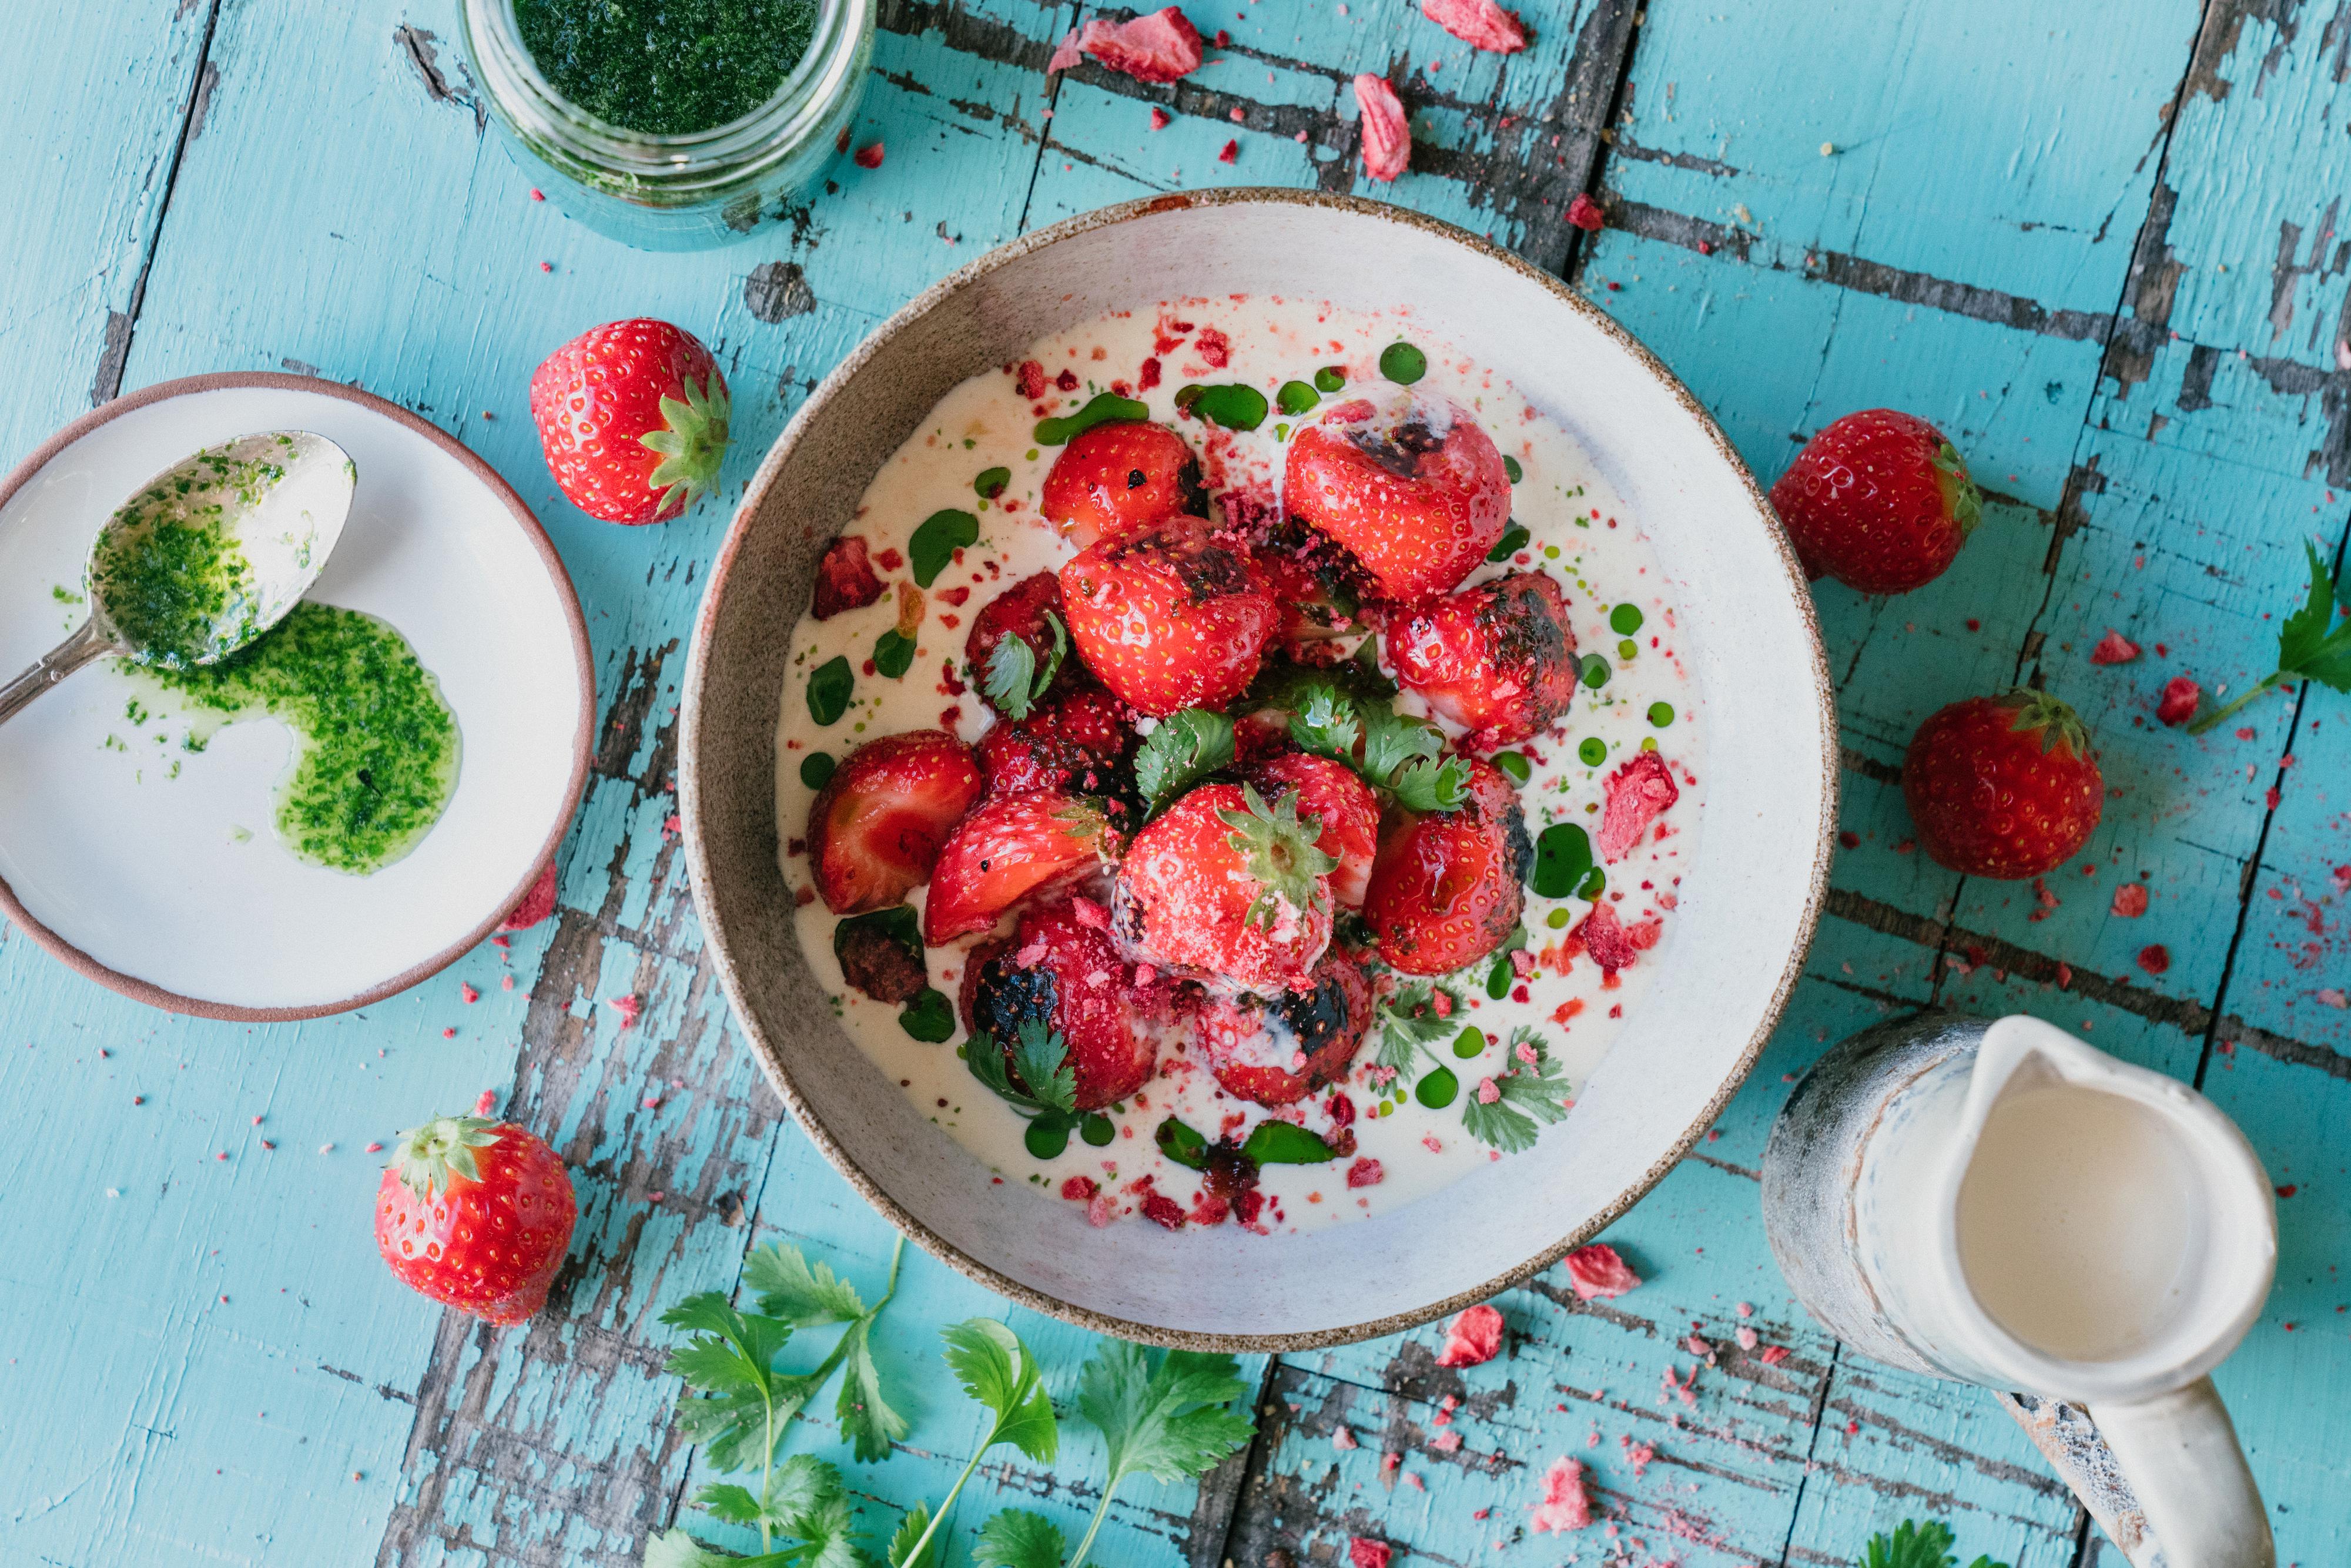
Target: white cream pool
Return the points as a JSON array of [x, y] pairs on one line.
[[1580, 533]]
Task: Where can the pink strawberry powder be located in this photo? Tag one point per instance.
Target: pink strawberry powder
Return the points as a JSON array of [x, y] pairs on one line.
[[1472, 1337], [1387, 133], [1564, 1506]]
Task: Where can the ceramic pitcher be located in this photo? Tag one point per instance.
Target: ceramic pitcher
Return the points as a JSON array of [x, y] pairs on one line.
[[2000, 1204]]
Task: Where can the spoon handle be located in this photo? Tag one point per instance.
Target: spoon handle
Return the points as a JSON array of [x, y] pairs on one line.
[[87, 642]]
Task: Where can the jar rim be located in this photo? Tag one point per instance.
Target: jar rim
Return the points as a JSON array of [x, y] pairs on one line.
[[685, 154]]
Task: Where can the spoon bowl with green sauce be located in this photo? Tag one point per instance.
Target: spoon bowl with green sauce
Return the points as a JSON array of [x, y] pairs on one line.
[[204, 557]]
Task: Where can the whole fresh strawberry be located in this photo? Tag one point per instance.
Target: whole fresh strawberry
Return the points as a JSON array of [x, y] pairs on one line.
[[1227, 886], [1062, 970], [475, 1214], [1497, 659], [1169, 618], [876, 826], [1010, 848], [1413, 489], [1118, 479], [1879, 501], [1446, 889], [2003, 787], [633, 416], [1278, 1053]]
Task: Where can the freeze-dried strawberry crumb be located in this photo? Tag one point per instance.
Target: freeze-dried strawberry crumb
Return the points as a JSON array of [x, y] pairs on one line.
[[1231, 154], [535, 905], [1585, 213], [844, 579], [1080, 1189], [1774, 1354], [465, 990], [1363, 1552], [2114, 648], [2130, 900], [1161, 1209], [2155, 958], [1067, 380], [1638, 793], [1563, 1507], [2180, 697], [1160, 119], [1598, 1271], [868, 156], [1603, 936], [1158, 47], [628, 1006], [1031, 379], [1214, 347], [1472, 1338], [1387, 134], [1365, 1173], [1343, 1440], [1480, 24]]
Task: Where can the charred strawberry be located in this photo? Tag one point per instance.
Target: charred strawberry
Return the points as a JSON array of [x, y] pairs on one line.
[[632, 418], [1116, 480], [1226, 886], [1446, 890], [1498, 802], [1414, 490], [1018, 647], [1169, 618], [1279, 1053], [1349, 811], [1009, 847], [2003, 787], [475, 1214], [1497, 659], [876, 826], [1073, 743], [1879, 501], [1061, 970]]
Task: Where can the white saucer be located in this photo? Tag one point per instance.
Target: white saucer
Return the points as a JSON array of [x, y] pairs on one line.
[[176, 890]]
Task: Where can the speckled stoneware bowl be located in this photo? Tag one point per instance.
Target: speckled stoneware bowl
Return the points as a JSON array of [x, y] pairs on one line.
[[1748, 903]]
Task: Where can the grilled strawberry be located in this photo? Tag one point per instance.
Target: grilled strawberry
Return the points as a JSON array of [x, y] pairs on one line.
[[1116, 480], [1414, 490], [1444, 891], [1169, 618], [877, 824], [1072, 743], [475, 1214], [1279, 1053], [1879, 501], [1349, 811], [1030, 610], [632, 418], [1062, 970], [1498, 802], [1638, 794], [1008, 847], [1497, 659], [1226, 886], [2003, 787]]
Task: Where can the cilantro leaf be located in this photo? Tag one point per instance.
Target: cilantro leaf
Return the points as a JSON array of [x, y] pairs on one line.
[[1914, 1545], [865, 1415], [1187, 746], [2307, 648], [1325, 722], [911, 1546], [676, 1549], [1163, 1414], [997, 1369], [1425, 784], [1016, 1538], [1013, 681], [797, 1292], [1408, 1021], [1043, 1060], [1529, 1095], [730, 1360], [729, 1503], [1392, 740]]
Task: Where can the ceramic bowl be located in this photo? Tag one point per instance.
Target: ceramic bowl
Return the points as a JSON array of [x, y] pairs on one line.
[[1748, 903], [157, 873]]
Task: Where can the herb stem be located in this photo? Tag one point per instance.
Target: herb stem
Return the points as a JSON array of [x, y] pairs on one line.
[[1102, 1512], [2266, 683]]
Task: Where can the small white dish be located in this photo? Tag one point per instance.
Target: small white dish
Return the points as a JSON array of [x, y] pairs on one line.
[[175, 890]]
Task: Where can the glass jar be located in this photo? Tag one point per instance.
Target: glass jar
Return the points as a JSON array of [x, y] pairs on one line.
[[672, 193]]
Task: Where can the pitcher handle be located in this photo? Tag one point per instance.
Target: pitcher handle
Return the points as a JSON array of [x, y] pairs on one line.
[[2179, 1453]]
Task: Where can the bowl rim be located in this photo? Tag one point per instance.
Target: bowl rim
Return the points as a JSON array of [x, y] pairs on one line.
[[582, 734], [722, 959]]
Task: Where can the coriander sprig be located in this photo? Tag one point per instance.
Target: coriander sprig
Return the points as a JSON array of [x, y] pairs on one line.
[[2307, 649], [997, 1370], [1915, 1545], [1166, 1416]]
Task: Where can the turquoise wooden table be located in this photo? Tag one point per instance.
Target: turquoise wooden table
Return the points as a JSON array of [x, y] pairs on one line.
[[2103, 252]]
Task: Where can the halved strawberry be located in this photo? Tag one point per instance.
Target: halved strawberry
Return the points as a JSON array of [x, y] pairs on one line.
[[1007, 848], [1279, 1053], [876, 826], [1414, 489], [1444, 891], [1497, 659], [1061, 970], [1030, 610], [1169, 618], [1227, 886], [1349, 811], [1118, 479]]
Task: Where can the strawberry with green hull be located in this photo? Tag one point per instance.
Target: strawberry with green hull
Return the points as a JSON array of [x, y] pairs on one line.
[[1278, 1053], [1496, 659], [877, 825], [633, 417], [1225, 887], [475, 1214], [1117, 479], [1061, 970], [1414, 491], [1169, 618], [1878, 500], [1010, 848], [2003, 787], [1337, 796]]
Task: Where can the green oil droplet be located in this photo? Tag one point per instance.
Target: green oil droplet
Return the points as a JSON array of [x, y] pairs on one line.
[[1329, 378], [1593, 752], [1629, 650], [1471, 1041], [1624, 620], [1510, 466], [1661, 713], [1436, 1089], [1403, 364], [1595, 672], [1514, 765], [816, 768]]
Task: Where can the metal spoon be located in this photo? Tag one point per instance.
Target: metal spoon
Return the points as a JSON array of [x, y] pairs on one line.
[[264, 510]]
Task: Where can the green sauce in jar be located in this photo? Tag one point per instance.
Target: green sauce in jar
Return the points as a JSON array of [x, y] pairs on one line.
[[666, 67], [376, 746]]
